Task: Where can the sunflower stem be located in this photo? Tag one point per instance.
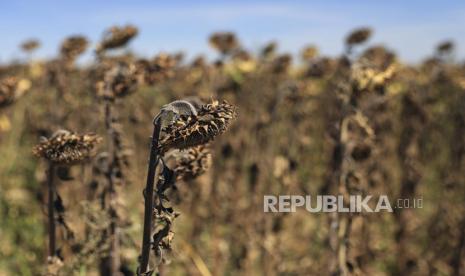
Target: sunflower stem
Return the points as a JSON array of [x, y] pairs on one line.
[[51, 210], [148, 212]]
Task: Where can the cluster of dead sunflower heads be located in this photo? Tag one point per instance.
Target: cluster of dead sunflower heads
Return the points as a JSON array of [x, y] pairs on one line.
[[224, 42], [188, 131], [309, 53], [118, 81], [159, 69], [369, 78], [30, 45], [73, 46], [11, 88], [67, 148], [117, 37], [358, 36]]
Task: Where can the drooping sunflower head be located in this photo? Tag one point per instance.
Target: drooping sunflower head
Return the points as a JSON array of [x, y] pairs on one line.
[[66, 148], [310, 52], [281, 64], [117, 80], [158, 69], [224, 42], [445, 47], [117, 37], [73, 46], [188, 131], [192, 162], [269, 50], [30, 45], [358, 36]]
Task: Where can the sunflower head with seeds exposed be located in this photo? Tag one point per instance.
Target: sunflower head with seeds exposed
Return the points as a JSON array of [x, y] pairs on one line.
[[66, 148], [190, 163], [187, 131]]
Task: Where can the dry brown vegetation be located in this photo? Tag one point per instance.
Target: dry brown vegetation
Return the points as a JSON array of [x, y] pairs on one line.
[[224, 134]]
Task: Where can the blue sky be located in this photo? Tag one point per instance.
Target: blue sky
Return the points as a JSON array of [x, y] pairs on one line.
[[411, 27]]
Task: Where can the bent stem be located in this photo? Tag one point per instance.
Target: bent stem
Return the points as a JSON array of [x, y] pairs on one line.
[[148, 195], [51, 210]]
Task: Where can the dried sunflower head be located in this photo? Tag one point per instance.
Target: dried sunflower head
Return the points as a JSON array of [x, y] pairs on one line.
[[30, 45], [358, 36], [321, 67], [281, 64], [192, 162], [269, 50], [378, 56], [117, 37], [199, 62], [73, 46], [242, 62], [158, 69], [225, 42], [445, 47], [192, 130], [12, 88], [310, 52], [65, 147], [366, 77], [118, 81]]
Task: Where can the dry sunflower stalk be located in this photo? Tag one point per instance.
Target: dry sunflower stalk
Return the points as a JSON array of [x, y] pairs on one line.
[[63, 148], [116, 78], [186, 128]]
